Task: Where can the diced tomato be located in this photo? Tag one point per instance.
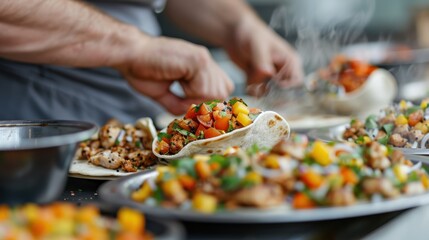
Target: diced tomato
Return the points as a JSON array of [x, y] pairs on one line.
[[312, 180], [221, 114], [348, 176], [219, 107], [302, 201], [200, 129], [222, 123], [204, 109], [205, 119], [191, 113], [216, 115], [215, 166], [187, 182], [211, 132]]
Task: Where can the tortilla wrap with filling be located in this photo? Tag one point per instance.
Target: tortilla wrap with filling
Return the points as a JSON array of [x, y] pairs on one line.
[[266, 130]]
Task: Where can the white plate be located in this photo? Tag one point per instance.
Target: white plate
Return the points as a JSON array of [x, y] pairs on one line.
[[85, 170], [335, 134], [116, 193]]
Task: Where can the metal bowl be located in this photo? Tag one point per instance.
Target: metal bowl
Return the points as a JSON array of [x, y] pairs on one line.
[[35, 157]]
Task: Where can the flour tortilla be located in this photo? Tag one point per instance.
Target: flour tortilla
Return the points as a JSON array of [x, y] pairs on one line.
[[267, 129], [84, 168]]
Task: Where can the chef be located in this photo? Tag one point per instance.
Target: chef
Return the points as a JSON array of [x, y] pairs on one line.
[[94, 60]]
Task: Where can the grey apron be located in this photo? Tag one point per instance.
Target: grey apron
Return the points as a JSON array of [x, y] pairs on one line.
[[29, 91]]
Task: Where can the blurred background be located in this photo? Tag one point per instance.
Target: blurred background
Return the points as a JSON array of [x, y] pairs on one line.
[[393, 34]]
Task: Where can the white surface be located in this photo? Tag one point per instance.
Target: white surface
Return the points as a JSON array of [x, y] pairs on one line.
[[410, 225]]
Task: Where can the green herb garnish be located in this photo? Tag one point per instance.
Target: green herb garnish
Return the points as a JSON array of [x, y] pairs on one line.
[[162, 135], [371, 122], [229, 183], [388, 128]]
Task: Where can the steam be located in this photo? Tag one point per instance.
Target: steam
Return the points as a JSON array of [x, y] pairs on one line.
[[321, 30], [322, 27]]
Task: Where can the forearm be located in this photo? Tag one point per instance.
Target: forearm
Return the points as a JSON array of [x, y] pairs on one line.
[[62, 32], [211, 20]]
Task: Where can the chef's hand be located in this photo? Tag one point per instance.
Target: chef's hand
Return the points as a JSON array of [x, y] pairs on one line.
[[261, 53], [158, 62]]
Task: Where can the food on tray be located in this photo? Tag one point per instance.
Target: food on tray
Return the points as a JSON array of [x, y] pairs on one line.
[[206, 120], [121, 146], [344, 75], [211, 126], [297, 172], [66, 221], [404, 125]]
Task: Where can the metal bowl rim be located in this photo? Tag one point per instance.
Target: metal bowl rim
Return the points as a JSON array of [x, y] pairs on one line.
[[84, 131]]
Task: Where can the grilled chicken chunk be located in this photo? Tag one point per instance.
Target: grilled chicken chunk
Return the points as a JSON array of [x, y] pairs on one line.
[[107, 159]]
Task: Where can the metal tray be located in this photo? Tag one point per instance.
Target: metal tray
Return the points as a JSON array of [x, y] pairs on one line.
[[335, 134], [116, 193]]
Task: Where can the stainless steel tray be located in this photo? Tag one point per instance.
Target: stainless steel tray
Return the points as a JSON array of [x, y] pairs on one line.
[[335, 134], [116, 193]]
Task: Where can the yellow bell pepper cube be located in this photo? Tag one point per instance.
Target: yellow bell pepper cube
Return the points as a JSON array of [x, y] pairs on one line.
[[244, 119], [204, 203], [253, 177], [401, 120], [272, 161], [131, 220], [142, 193], [399, 172], [239, 107], [425, 181], [321, 153]]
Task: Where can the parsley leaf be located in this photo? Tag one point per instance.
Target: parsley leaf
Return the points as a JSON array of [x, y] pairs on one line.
[[371, 122], [384, 140], [388, 128], [162, 135]]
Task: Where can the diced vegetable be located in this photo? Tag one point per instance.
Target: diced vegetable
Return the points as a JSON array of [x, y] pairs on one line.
[[211, 133], [222, 123], [204, 203], [312, 179], [191, 113], [239, 107], [205, 120], [401, 120], [131, 221], [203, 169], [400, 173], [243, 119], [321, 153], [272, 161], [349, 177], [253, 177], [204, 109], [171, 187], [302, 201], [142, 193], [187, 182]]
